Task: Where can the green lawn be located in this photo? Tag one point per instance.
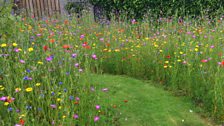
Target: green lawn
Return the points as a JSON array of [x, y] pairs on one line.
[[146, 104]]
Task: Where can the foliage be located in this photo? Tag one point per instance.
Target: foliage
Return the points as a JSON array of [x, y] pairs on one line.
[[160, 8], [6, 19], [74, 7]]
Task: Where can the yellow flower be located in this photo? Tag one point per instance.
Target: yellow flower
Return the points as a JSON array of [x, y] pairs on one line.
[[39, 62], [29, 89], [6, 103], [178, 60], [160, 50], [63, 116], [30, 49], [181, 53], [165, 66], [37, 84], [117, 50], [58, 99], [2, 88], [3, 45], [196, 49], [59, 107], [18, 89], [14, 44], [166, 62]]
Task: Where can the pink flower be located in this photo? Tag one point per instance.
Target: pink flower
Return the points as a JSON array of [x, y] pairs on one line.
[[22, 61], [204, 61], [77, 98], [77, 65], [75, 116], [96, 118], [94, 56], [97, 107]]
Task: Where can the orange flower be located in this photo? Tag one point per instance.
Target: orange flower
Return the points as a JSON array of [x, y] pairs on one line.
[[52, 40], [66, 46]]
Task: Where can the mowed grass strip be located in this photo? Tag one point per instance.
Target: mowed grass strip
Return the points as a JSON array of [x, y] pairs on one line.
[[142, 104]]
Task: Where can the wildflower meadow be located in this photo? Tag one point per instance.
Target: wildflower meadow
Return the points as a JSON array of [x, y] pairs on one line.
[[48, 66]]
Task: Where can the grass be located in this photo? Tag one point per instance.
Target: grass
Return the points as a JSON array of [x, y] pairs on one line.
[[47, 65], [147, 105]]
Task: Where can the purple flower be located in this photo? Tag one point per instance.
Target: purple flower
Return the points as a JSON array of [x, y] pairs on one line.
[[3, 98], [22, 61], [38, 35], [96, 118], [74, 55], [53, 106], [94, 56], [75, 116], [16, 50], [77, 98], [82, 36], [49, 58], [18, 125], [27, 78], [71, 97], [77, 65], [97, 107]]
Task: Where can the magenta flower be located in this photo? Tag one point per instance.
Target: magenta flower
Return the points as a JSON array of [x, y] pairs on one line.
[[38, 35], [96, 118], [3, 98], [49, 58], [77, 98], [94, 56], [22, 61], [82, 36], [74, 55], [77, 65], [75, 116], [16, 50], [97, 107]]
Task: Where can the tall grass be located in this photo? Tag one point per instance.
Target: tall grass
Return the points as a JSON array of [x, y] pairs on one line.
[[46, 65]]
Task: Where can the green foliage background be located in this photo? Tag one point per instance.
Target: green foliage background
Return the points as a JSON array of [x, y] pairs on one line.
[[6, 19], [138, 8]]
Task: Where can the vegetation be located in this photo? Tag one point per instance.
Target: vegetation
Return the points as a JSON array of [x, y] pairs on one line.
[[46, 75], [137, 9]]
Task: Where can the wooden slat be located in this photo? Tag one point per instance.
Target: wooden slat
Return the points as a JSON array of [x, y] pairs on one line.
[[46, 7], [38, 8], [50, 7], [42, 8], [57, 7], [34, 8], [27, 7], [31, 7], [53, 7]]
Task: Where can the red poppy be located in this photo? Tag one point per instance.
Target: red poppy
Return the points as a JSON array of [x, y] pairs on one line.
[[66, 46], [21, 121], [222, 63], [66, 22], [168, 56], [76, 102], [45, 48]]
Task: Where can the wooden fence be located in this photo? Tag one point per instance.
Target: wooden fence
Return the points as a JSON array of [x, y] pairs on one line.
[[40, 8]]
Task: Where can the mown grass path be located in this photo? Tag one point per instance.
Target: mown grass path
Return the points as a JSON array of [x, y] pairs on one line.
[[146, 105]]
